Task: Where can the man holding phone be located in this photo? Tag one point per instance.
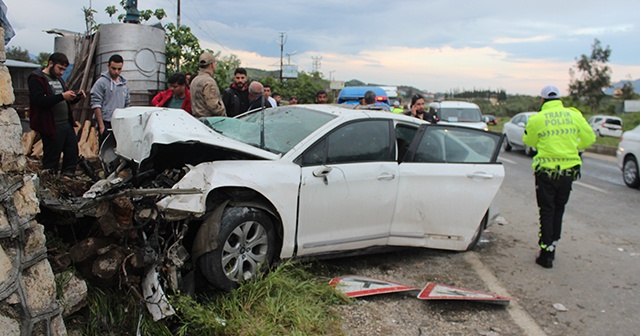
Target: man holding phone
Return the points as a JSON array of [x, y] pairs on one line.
[[50, 115]]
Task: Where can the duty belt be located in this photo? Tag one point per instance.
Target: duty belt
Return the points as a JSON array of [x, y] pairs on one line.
[[555, 173]]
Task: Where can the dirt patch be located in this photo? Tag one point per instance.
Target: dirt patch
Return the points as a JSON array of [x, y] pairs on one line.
[[402, 313]]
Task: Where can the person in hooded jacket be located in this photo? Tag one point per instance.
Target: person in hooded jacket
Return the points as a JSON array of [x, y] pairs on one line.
[[108, 93], [50, 114]]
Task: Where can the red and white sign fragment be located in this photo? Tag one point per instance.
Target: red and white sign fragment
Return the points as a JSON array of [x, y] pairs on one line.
[[433, 291], [355, 286]]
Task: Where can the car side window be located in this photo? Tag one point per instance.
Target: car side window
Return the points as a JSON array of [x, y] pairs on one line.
[[404, 136], [455, 145], [517, 119], [362, 141]]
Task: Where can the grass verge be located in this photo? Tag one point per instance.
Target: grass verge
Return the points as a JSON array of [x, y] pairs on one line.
[[287, 301]]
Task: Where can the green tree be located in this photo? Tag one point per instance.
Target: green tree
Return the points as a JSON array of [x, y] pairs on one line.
[[182, 44], [18, 54], [89, 20], [591, 75], [111, 10], [43, 58], [627, 91]]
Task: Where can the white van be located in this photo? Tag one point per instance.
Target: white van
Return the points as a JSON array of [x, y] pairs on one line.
[[604, 125], [456, 112]]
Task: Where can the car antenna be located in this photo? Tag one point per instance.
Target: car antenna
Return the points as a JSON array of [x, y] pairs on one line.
[[262, 145]]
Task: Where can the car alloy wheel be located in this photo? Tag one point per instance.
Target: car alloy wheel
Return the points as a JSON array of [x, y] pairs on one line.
[[246, 246], [630, 172]]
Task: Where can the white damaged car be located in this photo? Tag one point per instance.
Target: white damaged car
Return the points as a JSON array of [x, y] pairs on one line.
[[240, 193]]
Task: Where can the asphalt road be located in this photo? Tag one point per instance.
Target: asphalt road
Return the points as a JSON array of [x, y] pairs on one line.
[[596, 271]]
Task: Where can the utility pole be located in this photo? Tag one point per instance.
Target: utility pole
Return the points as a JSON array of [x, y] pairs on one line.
[[179, 46], [289, 57], [316, 63], [283, 40]]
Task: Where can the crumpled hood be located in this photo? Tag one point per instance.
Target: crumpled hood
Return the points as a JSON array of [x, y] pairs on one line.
[[136, 129]]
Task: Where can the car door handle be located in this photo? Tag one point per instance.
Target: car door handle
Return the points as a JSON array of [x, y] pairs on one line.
[[386, 177], [483, 176], [322, 171]]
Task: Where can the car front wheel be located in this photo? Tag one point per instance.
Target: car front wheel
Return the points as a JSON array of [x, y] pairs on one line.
[[630, 172], [246, 246]]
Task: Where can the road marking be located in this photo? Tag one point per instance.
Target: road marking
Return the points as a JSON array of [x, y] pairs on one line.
[[588, 186], [507, 160], [518, 314]]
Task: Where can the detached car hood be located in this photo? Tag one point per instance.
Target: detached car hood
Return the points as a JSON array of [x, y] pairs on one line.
[[136, 129]]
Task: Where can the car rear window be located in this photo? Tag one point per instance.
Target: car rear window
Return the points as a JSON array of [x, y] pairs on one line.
[[453, 114], [614, 122]]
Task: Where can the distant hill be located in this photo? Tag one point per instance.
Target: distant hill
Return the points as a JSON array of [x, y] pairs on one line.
[[620, 84]]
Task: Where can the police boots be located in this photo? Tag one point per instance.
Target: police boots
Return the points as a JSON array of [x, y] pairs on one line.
[[545, 259]]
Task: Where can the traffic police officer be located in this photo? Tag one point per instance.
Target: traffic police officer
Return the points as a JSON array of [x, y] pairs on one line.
[[558, 133]]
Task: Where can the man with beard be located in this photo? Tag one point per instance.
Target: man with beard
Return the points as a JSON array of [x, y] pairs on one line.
[[50, 115], [236, 97]]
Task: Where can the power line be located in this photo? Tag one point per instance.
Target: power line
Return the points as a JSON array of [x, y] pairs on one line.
[[198, 26]]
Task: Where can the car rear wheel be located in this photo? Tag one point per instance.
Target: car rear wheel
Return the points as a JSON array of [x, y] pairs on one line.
[[507, 145], [630, 172], [246, 246]]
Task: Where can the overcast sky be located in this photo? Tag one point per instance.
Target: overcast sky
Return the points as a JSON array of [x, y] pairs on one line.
[[436, 46]]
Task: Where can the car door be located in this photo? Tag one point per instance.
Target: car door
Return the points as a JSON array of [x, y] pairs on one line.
[[447, 182], [348, 188], [510, 129]]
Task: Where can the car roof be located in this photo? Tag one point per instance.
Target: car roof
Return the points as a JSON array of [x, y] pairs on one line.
[[606, 116], [359, 91], [453, 103]]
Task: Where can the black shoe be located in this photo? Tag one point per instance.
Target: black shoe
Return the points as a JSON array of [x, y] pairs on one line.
[[552, 255], [545, 259]]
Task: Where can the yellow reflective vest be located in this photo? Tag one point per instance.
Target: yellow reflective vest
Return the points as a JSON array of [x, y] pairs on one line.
[[557, 133]]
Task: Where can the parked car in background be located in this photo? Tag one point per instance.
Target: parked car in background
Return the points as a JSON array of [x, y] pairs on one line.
[[513, 131], [489, 119], [300, 180], [603, 125], [456, 112], [627, 156]]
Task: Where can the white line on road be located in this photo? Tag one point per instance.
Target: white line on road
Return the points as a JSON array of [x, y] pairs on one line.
[[588, 186], [518, 314], [507, 160]]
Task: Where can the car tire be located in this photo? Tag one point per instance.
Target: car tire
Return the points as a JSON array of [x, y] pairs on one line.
[[507, 145], [246, 247], [630, 172], [478, 233]]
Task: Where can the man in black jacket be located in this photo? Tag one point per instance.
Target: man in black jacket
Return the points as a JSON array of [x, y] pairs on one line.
[[236, 97], [50, 114]]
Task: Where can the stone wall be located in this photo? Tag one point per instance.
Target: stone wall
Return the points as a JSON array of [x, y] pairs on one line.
[[28, 303]]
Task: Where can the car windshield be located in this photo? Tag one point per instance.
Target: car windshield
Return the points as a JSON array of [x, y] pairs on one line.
[[460, 114], [284, 127]]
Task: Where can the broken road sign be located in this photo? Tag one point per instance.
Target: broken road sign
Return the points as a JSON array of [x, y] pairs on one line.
[[433, 291], [356, 286]]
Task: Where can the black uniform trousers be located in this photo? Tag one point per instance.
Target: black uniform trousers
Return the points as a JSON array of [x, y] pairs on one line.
[[552, 194], [65, 142]]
